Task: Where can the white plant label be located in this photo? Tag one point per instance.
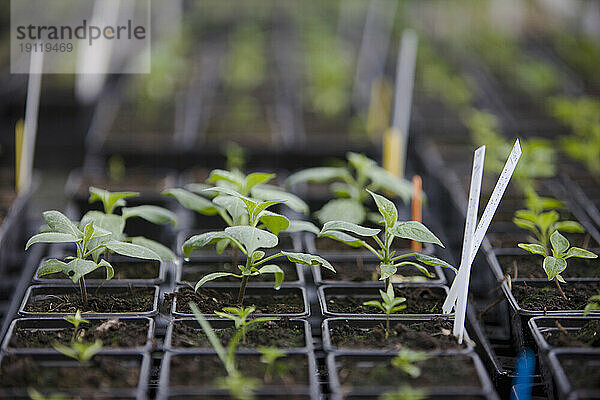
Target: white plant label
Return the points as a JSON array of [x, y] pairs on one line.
[[461, 282]]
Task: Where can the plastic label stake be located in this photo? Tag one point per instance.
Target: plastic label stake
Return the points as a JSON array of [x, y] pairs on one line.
[[417, 208], [19, 128], [392, 141], [459, 289]]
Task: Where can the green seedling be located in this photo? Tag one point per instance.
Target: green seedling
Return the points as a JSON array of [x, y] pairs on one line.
[[270, 356], [405, 361], [349, 184], [91, 243], [592, 305], [353, 235], [390, 304], [405, 393], [542, 220], [76, 320], [239, 386], [35, 395], [80, 351], [239, 315], [249, 239], [556, 263]]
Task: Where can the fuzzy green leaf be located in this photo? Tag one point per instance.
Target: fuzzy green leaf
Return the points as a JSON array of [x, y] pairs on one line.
[[533, 248], [156, 215], [273, 269], [274, 222], [51, 237], [110, 271], [554, 266], [192, 201], [317, 175], [110, 200], [343, 237], [213, 276], [58, 222], [386, 271], [579, 253], [386, 208], [416, 231], [301, 226], [198, 241], [342, 210], [51, 266], [163, 251], [350, 227], [270, 192], [560, 244], [131, 250], [252, 238], [308, 259], [434, 262]]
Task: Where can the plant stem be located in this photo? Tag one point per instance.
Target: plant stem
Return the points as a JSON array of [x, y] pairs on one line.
[[240, 299], [560, 289], [387, 326], [83, 291]]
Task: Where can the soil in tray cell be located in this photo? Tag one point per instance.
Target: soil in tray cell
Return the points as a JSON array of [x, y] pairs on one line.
[[368, 271], [529, 266], [435, 371], [429, 335], [113, 333], [209, 300], [99, 373], [280, 333], [127, 300], [586, 336], [194, 271], [123, 270], [582, 373], [207, 368], [548, 298], [418, 301]]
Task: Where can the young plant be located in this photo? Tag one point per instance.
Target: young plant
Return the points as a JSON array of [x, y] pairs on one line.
[[239, 386], [35, 395], [78, 350], [353, 235], [349, 184], [270, 357], [405, 393], [249, 239], [542, 220], [556, 263], [405, 361], [390, 305], [592, 305], [76, 320], [239, 315], [91, 243]]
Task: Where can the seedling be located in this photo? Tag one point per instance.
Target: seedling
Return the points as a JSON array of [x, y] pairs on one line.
[[239, 315], [249, 239], [542, 220], [235, 382], [35, 395], [91, 241], [556, 263], [78, 350], [353, 234], [405, 393], [349, 184], [76, 320], [270, 356], [592, 305], [391, 304], [405, 361]]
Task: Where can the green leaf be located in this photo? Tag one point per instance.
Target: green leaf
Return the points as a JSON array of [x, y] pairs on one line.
[[262, 206], [156, 215], [560, 244], [88, 232], [131, 250], [252, 238], [386, 271], [163, 251], [527, 215], [343, 237], [308, 259], [270, 192], [256, 178], [274, 222], [114, 224], [51, 266], [569, 227], [350, 227], [233, 205], [317, 175], [554, 266], [414, 230], [421, 268], [374, 303], [192, 201], [349, 210], [533, 248], [51, 237], [217, 175], [58, 222], [434, 262], [197, 188], [77, 268], [383, 180], [387, 209], [301, 226], [341, 189], [198, 241], [274, 269], [579, 253], [545, 220], [257, 255], [110, 271], [525, 224], [221, 245], [110, 200], [360, 162], [212, 277]]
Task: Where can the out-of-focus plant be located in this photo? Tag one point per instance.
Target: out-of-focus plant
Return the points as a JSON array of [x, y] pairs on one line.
[[581, 52]]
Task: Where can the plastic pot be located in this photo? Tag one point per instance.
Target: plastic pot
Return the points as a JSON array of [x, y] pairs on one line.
[[363, 294], [54, 324], [566, 366], [222, 324], [43, 292]]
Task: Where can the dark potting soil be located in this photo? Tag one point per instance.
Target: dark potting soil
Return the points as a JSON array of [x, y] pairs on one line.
[[280, 333], [548, 298], [99, 373], [123, 270], [433, 334], [587, 336], [531, 267], [205, 369], [211, 300], [125, 300], [365, 271], [113, 333], [584, 373], [192, 272], [435, 371], [418, 301]]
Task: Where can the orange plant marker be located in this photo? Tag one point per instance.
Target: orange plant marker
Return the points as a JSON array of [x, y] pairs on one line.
[[417, 207]]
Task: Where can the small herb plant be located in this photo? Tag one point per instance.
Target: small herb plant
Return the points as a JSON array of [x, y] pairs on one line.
[[78, 350], [542, 220], [556, 263], [389, 305], [405, 361], [249, 239], [353, 235], [91, 243], [592, 305], [270, 356], [348, 185], [35, 395], [239, 315], [76, 320]]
